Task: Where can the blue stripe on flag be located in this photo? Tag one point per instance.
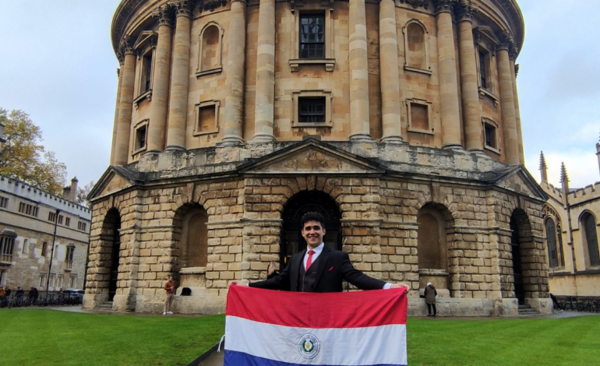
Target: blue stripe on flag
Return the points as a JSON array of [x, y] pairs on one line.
[[233, 358]]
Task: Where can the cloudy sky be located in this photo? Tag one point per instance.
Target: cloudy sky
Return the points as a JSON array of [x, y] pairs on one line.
[[58, 65]]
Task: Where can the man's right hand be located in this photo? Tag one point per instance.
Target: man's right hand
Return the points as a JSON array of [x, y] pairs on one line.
[[238, 283]]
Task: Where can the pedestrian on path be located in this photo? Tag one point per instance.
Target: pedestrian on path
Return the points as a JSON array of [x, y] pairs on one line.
[[430, 294], [170, 289]]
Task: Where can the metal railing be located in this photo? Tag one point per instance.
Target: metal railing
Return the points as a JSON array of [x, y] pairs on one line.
[[43, 298], [590, 304]]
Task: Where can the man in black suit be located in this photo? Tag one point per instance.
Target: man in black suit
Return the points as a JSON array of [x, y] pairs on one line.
[[319, 268]]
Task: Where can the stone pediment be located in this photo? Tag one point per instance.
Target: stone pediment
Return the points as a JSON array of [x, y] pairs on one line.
[[311, 156], [518, 179], [114, 179]]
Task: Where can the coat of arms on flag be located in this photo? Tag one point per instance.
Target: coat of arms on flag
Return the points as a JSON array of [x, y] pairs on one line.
[[279, 328]]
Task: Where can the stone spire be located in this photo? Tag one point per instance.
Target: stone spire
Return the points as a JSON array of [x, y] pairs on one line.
[[564, 179], [543, 168]]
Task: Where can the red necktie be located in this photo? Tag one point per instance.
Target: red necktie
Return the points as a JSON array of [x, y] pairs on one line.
[[309, 260]]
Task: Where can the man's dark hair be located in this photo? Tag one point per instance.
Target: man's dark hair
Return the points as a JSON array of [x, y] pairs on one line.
[[312, 216]]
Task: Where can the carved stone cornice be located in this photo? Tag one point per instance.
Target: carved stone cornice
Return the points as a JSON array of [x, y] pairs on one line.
[[125, 48], [183, 8], [210, 5], [416, 3], [507, 41], [444, 6], [164, 15], [465, 10]]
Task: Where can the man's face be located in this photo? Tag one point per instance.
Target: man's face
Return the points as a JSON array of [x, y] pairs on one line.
[[313, 233]]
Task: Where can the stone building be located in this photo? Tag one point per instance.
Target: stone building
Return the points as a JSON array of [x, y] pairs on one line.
[[398, 120], [571, 220], [37, 228]]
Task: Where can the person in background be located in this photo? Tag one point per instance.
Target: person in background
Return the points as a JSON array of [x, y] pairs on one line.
[[430, 294], [20, 294], [170, 290]]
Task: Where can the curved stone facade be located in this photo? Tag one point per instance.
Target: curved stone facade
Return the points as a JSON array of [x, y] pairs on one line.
[[397, 119]]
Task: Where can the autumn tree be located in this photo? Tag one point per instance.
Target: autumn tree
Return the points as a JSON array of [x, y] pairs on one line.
[[23, 157], [82, 193]]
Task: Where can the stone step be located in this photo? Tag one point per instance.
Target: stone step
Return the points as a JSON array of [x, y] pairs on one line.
[[527, 310]]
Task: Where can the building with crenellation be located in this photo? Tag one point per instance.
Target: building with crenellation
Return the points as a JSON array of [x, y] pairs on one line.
[[43, 238], [398, 120], [571, 221]]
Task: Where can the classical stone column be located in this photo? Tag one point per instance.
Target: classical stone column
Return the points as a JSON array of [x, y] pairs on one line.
[[125, 102], [513, 69], [359, 72], [116, 120], [449, 109], [234, 102], [180, 76], [390, 82], [265, 73], [160, 86], [507, 102], [468, 77]]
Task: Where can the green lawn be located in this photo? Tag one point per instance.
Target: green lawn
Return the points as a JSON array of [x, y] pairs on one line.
[[46, 337]]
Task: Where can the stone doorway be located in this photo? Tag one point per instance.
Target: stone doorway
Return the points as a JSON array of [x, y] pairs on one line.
[[301, 203], [516, 259]]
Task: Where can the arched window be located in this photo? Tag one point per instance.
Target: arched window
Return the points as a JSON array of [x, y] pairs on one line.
[[431, 240], [588, 223], [551, 240], [415, 47], [209, 53], [194, 235]]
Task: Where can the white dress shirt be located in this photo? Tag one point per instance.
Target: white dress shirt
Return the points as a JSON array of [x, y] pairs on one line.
[[318, 250]]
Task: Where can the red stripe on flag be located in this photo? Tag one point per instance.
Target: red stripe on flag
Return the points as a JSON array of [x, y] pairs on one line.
[[318, 310]]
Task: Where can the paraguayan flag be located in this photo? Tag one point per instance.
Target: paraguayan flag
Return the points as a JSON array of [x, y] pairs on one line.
[[279, 328]]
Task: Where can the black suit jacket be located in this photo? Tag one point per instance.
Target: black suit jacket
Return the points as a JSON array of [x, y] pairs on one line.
[[333, 266]]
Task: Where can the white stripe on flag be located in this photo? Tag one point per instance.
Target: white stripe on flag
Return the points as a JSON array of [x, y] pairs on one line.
[[378, 345]]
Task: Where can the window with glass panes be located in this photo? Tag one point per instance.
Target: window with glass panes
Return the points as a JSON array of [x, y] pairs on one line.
[[312, 36], [311, 109]]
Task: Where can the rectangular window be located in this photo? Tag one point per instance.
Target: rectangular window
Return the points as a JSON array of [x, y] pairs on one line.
[[81, 226], [27, 209], [312, 36], [419, 116], [60, 219], [140, 137], [146, 72], [60, 280], [73, 282], [69, 257], [483, 74], [25, 246], [311, 109], [52, 216], [67, 221], [7, 244], [45, 249], [3, 202], [43, 281], [491, 138]]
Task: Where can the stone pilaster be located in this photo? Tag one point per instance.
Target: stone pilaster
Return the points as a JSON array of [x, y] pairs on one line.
[[390, 82], [265, 73], [507, 102], [180, 76], [468, 75], [513, 69], [359, 72], [121, 151], [115, 123], [160, 92], [449, 104], [234, 102]]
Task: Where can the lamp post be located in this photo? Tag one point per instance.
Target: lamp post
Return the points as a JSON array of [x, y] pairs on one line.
[[52, 252]]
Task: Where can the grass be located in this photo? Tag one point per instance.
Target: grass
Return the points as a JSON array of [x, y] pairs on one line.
[[46, 337], [567, 341]]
